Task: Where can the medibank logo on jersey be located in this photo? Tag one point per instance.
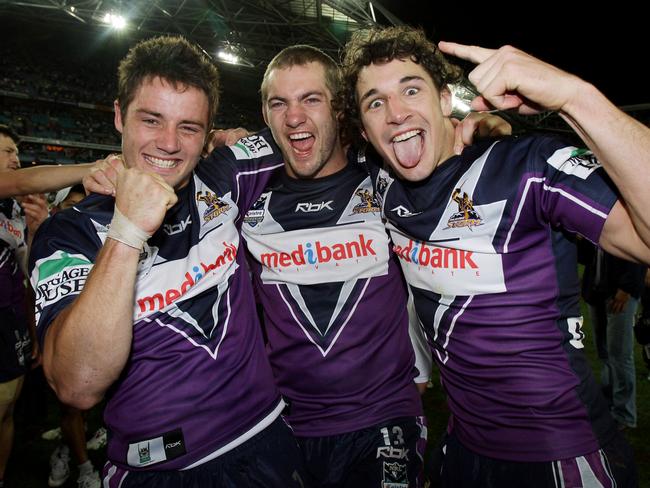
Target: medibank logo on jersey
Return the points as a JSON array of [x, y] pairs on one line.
[[164, 298], [318, 252], [437, 257], [8, 226]]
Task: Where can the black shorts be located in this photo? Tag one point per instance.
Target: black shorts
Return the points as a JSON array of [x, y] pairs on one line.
[[15, 346], [386, 455], [271, 459], [610, 467]]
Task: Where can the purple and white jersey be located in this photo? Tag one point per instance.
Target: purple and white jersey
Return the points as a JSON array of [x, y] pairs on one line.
[[12, 240], [486, 246], [198, 381], [14, 336], [334, 302]]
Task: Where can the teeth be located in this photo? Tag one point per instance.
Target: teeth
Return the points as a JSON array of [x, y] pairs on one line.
[[299, 135], [406, 135], [162, 163]]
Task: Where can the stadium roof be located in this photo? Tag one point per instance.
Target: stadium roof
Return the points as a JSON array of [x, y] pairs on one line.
[[254, 30]]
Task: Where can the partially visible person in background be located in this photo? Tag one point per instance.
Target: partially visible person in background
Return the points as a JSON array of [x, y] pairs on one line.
[[16, 335], [642, 325], [612, 288]]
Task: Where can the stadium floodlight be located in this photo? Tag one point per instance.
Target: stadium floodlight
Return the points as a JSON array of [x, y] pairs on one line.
[[228, 57], [115, 20], [232, 53], [372, 12]]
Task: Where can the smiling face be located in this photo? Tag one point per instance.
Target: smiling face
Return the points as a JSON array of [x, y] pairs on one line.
[[8, 154], [298, 109], [164, 129], [405, 117]]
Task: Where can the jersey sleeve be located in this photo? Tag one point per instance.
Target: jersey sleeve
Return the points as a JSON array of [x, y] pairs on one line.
[[576, 194], [243, 169], [62, 255]]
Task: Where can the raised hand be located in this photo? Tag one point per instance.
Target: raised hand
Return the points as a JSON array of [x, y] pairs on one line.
[[481, 124], [35, 207], [103, 176], [143, 198], [223, 137], [508, 78]]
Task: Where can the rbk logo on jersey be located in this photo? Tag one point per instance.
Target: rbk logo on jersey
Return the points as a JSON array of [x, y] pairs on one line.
[[215, 205], [172, 229], [314, 207], [317, 252], [251, 147]]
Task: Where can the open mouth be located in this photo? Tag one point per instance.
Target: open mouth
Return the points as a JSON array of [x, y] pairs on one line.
[[408, 148], [162, 163], [301, 141]]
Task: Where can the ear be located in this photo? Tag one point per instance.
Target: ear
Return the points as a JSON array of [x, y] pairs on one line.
[[363, 134], [118, 117], [445, 101]]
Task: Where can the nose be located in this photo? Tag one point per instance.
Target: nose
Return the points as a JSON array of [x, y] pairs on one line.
[[396, 111], [168, 140], [295, 115]]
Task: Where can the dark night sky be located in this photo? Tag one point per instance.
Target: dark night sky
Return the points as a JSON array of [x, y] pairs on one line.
[[605, 45]]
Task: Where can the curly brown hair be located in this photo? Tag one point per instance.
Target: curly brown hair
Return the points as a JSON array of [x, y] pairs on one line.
[[382, 45], [175, 60]]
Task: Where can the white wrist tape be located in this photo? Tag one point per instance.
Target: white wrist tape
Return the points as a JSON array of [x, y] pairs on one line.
[[126, 232]]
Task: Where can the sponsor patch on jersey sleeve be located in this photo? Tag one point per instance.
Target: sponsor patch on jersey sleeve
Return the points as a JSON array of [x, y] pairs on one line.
[[574, 161], [57, 276], [251, 147]]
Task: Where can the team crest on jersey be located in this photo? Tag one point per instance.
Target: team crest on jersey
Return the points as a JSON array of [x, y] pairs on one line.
[[466, 215], [395, 475], [216, 206], [256, 214], [368, 202]]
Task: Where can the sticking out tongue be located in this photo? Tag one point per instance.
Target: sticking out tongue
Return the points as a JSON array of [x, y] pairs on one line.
[[408, 152]]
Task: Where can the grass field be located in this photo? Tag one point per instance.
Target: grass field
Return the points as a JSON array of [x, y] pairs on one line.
[[38, 411]]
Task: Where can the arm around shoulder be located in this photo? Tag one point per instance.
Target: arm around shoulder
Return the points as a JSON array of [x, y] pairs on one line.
[[41, 179]]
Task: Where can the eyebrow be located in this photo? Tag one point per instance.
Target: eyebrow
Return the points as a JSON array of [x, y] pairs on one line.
[[302, 96], [405, 79], [158, 114]]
